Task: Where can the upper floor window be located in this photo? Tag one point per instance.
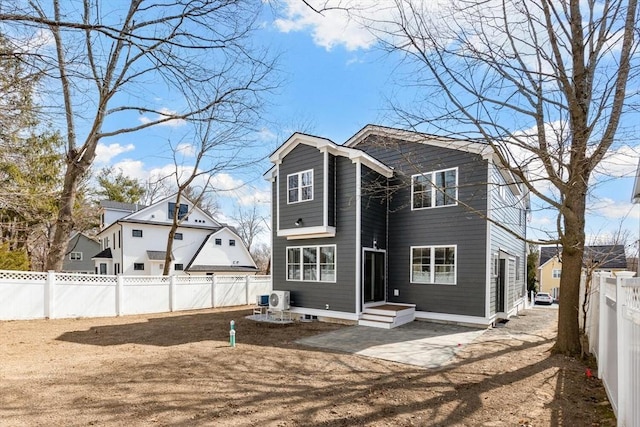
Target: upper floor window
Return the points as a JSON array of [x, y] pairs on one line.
[[300, 186], [182, 210], [232, 242], [433, 189], [136, 233], [556, 273], [75, 256], [178, 267], [138, 266], [218, 242], [433, 264], [177, 236]]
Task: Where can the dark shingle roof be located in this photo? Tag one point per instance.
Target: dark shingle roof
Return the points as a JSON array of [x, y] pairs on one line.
[[215, 268], [121, 206], [157, 255], [104, 254], [608, 256]]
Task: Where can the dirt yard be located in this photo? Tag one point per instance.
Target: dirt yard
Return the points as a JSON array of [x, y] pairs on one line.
[[178, 370]]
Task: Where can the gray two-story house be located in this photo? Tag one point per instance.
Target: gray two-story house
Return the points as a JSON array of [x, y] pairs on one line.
[[393, 220]]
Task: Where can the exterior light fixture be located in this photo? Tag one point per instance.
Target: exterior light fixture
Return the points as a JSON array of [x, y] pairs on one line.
[[298, 222]]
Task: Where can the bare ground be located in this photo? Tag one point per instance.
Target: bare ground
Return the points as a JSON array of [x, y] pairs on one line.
[[178, 370]]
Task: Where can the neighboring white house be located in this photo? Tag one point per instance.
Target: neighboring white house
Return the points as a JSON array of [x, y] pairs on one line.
[[134, 239]]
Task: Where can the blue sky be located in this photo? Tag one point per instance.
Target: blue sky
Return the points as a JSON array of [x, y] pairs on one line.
[[334, 82]]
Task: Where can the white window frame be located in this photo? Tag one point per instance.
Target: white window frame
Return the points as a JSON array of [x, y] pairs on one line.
[[318, 263], [558, 271], [434, 190], [432, 248], [75, 256], [300, 187]]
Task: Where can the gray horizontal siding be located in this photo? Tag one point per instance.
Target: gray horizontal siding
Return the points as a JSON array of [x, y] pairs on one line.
[[451, 225], [339, 296], [302, 158]]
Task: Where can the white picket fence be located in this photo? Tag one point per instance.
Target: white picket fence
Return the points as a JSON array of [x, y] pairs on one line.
[[30, 295], [613, 328]]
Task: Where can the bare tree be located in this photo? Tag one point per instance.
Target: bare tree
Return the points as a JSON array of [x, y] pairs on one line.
[[544, 83], [217, 147], [110, 59], [249, 223]]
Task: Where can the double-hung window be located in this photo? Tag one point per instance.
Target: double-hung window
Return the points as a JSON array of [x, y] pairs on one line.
[[75, 256], [300, 186], [433, 264], [312, 263], [433, 189], [556, 273]]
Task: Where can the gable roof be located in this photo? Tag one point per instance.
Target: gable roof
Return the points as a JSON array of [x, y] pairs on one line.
[[609, 256], [104, 254], [201, 267], [121, 206], [323, 144]]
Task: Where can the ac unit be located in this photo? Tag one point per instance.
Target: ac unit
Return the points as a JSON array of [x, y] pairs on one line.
[[279, 300]]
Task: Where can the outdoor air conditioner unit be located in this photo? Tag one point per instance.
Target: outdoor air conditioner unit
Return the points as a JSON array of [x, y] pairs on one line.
[[279, 300]]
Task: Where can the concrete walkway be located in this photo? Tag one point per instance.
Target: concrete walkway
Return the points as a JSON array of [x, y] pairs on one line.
[[420, 343]]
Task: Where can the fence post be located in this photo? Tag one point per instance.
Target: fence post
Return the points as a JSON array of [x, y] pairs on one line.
[[172, 292], [623, 346], [49, 294], [602, 328], [119, 299], [213, 291], [246, 288]]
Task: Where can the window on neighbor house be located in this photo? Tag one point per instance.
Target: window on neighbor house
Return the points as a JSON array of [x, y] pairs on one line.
[[232, 242], [136, 233], [556, 273], [116, 268], [300, 186], [433, 189], [433, 264], [75, 256], [138, 266], [218, 242], [177, 236], [182, 210], [178, 267], [312, 263], [103, 268], [518, 268]]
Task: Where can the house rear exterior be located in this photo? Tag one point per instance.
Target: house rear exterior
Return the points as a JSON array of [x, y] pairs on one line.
[[397, 217]]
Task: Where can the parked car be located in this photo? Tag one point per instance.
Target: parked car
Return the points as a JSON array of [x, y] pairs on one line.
[[543, 298]]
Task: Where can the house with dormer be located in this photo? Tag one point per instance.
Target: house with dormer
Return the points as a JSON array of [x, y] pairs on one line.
[[393, 219], [133, 241]]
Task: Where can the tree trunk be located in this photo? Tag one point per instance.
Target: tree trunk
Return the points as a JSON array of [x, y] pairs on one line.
[[64, 222], [573, 239]]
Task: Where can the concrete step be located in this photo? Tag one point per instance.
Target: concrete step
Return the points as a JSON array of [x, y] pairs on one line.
[[374, 324]]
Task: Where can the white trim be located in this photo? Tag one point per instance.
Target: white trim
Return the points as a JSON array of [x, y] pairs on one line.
[[325, 189], [488, 252], [318, 248], [358, 260], [307, 232], [432, 247], [278, 183], [434, 190], [299, 188], [325, 313], [455, 318], [384, 299]]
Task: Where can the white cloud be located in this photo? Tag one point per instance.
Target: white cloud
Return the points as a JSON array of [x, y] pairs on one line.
[[331, 27], [105, 153], [186, 149], [615, 210], [619, 163], [132, 168], [163, 113]]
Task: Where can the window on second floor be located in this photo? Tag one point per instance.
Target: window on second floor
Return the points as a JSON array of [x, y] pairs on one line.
[[433, 189], [138, 266], [177, 236], [178, 267], [557, 273], [300, 186], [75, 256], [136, 233], [182, 210], [218, 242], [232, 242]]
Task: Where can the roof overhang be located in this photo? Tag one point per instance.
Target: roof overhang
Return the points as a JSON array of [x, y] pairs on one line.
[[635, 197], [308, 232]]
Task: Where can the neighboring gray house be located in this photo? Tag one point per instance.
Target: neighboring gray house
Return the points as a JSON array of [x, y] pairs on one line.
[[397, 217], [79, 252]]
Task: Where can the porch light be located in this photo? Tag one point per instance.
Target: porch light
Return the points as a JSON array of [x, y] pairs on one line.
[[298, 222]]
